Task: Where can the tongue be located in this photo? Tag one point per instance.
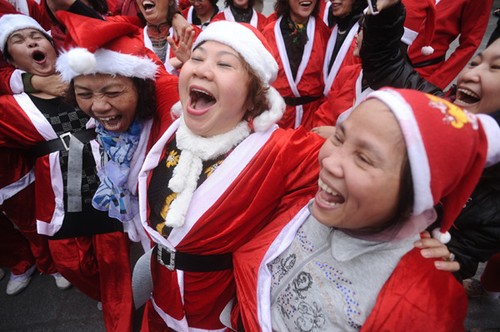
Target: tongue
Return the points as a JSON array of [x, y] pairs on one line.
[[202, 103]]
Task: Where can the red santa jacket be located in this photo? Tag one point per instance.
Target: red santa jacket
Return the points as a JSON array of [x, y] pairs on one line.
[[258, 20], [260, 177], [416, 297], [309, 78], [465, 18]]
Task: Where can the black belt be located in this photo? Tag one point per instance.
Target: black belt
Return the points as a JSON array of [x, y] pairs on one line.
[[429, 62], [294, 101], [192, 263], [62, 142]]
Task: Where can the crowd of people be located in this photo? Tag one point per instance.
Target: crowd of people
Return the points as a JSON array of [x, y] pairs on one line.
[[326, 167]]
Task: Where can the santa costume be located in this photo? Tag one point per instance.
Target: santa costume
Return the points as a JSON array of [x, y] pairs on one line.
[[299, 271], [199, 215], [303, 92]]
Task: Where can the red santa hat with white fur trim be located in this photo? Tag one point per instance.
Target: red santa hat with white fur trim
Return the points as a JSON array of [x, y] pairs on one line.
[[102, 47], [447, 148], [420, 20], [254, 49]]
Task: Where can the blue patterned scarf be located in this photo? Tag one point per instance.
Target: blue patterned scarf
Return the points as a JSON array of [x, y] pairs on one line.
[[113, 195]]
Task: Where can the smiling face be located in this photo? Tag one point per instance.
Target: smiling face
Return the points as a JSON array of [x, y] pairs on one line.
[[479, 82], [204, 8], [110, 100], [31, 51], [154, 11], [300, 10], [341, 8], [213, 88], [361, 166]]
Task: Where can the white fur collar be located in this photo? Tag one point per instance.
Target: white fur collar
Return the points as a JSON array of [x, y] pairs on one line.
[[194, 150]]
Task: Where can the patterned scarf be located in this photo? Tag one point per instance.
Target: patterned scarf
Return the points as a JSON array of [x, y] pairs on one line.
[[113, 195]]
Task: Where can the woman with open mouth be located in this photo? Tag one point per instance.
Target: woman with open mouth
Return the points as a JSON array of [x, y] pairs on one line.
[[346, 261]]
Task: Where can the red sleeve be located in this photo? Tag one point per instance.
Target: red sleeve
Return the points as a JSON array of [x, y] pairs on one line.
[[418, 297], [473, 24], [6, 71], [340, 98]]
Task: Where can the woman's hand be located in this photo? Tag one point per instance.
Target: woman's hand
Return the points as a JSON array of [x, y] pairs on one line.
[[179, 23], [432, 248], [182, 48], [52, 84]]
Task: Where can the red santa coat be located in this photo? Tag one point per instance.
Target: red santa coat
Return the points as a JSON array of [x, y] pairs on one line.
[[465, 18], [309, 79], [260, 177], [344, 57], [258, 20], [416, 297]]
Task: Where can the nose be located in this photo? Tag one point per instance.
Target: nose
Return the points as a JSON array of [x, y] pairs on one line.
[[204, 70], [472, 74], [333, 164], [32, 42], [100, 104]]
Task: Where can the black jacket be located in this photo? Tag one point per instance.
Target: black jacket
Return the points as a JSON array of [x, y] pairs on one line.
[[384, 59], [475, 236]]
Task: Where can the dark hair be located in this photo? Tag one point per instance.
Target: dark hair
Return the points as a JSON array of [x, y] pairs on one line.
[[228, 3], [101, 6], [7, 56], [282, 8], [146, 97]]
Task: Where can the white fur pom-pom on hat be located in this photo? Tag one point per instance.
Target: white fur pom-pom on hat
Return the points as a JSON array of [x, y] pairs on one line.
[[102, 47], [427, 50], [80, 60]]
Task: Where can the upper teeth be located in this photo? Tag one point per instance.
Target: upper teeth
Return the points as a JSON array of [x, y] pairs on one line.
[[329, 190], [108, 119], [468, 92], [201, 91], [146, 3]]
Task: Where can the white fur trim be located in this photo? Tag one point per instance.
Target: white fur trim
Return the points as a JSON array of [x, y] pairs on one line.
[[442, 237], [176, 110], [246, 43], [415, 147], [267, 118], [10, 23], [427, 50], [492, 131], [70, 64], [194, 150]]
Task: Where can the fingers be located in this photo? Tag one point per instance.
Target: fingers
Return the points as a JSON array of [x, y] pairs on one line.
[[447, 266]]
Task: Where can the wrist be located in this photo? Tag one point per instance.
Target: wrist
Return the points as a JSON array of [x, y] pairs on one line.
[[28, 87]]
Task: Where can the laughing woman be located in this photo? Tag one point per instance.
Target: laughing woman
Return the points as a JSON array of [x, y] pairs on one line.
[[217, 176]]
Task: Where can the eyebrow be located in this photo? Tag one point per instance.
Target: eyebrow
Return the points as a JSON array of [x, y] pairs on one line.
[[364, 144], [106, 87], [220, 53]]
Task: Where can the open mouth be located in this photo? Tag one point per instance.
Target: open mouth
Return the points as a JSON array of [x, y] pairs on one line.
[[305, 4], [201, 99], [328, 196], [110, 122], [466, 97], [148, 5], [38, 56]]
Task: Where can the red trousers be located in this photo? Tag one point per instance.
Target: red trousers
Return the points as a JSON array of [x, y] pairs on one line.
[[15, 252], [99, 266]]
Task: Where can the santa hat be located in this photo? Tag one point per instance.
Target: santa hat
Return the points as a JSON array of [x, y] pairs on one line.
[[95, 46], [254, 49], [420, 20], [447, 150], [10, 23]]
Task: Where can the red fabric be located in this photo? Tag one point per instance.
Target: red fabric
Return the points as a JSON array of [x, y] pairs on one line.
[[465, 18], [284, 169], [15, 252], [261, 19], [311, 83], [418, 297], [490, 279], [99, 266], [341, 97]]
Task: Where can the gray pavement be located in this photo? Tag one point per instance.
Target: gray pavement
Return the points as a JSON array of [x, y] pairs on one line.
[[44, 308]]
